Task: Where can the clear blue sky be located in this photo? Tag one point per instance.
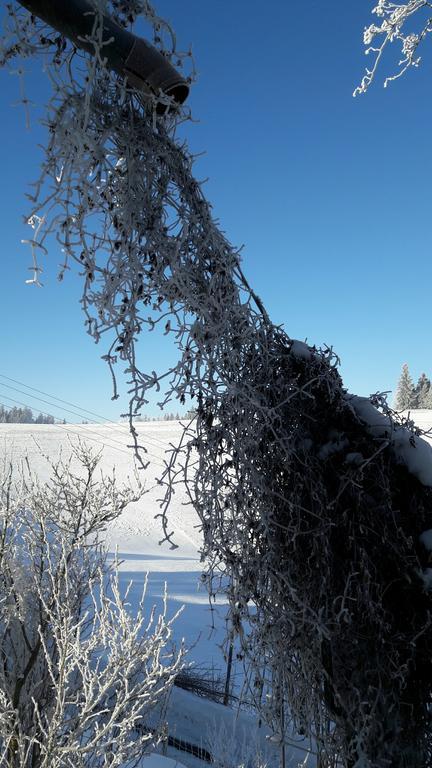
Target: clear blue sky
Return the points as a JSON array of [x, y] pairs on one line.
[[330, 195]]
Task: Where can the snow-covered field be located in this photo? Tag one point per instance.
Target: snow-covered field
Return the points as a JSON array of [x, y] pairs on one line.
[[423, 419], [135, 536]]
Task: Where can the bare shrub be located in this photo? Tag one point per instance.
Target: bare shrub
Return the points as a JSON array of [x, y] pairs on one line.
[[203, 681]]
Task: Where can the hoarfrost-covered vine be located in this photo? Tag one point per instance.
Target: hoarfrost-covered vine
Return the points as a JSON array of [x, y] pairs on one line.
[[313, 516]]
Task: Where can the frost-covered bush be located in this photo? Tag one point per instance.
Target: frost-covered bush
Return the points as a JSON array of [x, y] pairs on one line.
[[80, 668], [311, 502]]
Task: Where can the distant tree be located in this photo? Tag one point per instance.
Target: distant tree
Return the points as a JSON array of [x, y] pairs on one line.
[[405, 390], [427, 402], [23, 416], [420, 392], [12, 415], [26, 416]]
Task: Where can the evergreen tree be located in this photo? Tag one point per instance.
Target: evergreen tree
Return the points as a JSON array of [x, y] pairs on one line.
[[23, 416], [26, 415], [420, 392], [405, 390], [427, 402]]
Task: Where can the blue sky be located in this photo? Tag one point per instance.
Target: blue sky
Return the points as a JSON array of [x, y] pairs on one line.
[[329, 195]]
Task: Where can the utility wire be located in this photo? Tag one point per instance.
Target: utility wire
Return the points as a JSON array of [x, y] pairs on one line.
[[46, 414], [76, 413], [93, 432], [53, 397], [67, 410], [66, 402], [62, 426]]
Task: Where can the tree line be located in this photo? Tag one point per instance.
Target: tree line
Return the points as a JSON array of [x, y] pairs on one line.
[[410, 395], [190, 414], [23, 416]]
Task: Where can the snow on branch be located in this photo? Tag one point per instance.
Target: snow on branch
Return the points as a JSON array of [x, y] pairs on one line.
[[394, 28], [409, 449]]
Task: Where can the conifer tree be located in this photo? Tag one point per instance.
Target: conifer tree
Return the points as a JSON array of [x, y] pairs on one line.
[[427, 402], [405, 390], [420, 392]]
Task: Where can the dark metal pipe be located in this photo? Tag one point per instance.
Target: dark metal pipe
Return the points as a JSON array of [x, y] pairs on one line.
[[130, 56]]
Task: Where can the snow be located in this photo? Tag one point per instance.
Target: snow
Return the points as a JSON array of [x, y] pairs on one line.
[[302, 350], [336, 445], [426, 576], [134, 540], [136, 534], [412, 451], [426, 539], [160, 761], [356, 458], [230, 736]]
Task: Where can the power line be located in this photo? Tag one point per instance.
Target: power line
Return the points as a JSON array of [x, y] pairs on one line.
[[54, 397], [62, 426], [66, 410], [15, 389], [47, 414], [69, 431], [76, 413], [74, 405]]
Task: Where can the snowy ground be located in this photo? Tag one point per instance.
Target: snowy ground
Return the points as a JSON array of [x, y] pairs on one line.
[[423, 419], [233, 738], [136, 535]]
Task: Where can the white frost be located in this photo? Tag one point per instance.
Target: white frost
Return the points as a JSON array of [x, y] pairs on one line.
[[426, 575], [411, 451], [426, 539], [300, 349]]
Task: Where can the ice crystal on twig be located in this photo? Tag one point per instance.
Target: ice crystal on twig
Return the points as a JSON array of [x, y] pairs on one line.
[[395, 17]]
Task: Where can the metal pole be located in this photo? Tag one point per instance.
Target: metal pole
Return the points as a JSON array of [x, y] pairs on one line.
[[282, 723], [228, 674], [130, 56]]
